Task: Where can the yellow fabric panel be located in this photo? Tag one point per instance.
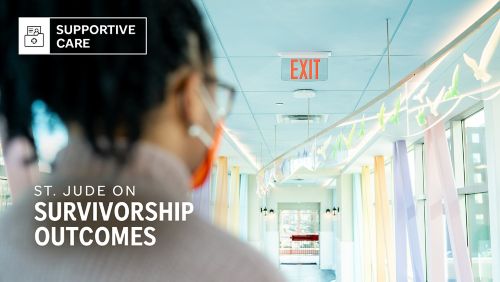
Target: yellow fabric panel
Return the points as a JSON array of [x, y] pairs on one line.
[[367, 202], [384, 234], [220, 214]]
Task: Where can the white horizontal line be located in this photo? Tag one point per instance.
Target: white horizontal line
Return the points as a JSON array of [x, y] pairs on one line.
[[306, 54]]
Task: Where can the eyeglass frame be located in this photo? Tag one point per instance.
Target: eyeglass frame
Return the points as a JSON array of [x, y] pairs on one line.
[[209, 79]]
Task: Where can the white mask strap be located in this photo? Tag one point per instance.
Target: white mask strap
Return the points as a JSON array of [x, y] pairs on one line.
[[197, 131]]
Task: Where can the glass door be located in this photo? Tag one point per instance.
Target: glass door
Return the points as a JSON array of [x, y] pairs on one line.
[[299, 236]]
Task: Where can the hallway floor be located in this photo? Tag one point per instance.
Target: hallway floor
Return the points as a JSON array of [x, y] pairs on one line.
[[306, 273]]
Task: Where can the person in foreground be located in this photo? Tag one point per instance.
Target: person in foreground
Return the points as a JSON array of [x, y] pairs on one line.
[[147, 121]]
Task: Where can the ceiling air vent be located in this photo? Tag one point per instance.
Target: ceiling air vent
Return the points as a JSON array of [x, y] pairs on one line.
[[286, 119]]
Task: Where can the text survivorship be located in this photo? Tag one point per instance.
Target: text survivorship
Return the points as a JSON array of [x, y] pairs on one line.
[[106, 211]]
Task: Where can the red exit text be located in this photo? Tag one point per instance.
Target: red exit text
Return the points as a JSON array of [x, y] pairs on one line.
[[304, 69]]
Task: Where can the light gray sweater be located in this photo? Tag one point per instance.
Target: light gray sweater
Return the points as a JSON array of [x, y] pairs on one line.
[[193, 250]]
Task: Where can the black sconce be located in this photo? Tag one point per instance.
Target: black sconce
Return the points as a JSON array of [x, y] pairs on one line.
[[265, 212], [334, 210]]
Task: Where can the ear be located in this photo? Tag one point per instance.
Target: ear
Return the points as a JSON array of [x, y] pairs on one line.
[[191, 105]]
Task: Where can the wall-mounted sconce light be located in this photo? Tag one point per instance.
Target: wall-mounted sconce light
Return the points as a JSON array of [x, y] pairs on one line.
[[334, 211], [266, 212]]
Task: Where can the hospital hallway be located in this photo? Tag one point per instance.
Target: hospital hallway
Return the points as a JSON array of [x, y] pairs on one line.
[[353, 123]]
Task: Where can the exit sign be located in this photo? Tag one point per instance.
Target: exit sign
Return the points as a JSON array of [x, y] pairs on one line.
[[304, 69]]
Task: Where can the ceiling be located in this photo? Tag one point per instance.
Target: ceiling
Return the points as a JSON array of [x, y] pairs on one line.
[[248, 35]]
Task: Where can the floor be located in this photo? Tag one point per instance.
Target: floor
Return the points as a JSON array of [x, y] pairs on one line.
[[306, 273], [296, 259]]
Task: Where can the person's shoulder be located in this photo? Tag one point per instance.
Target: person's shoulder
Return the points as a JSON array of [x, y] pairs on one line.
[[14, 243], [15, 224], [218, 250]]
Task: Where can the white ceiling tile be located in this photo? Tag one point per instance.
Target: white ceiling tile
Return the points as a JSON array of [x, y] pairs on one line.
[[240, 122], [325, 102], [225, 73], [401, 66], [215, 43], [263, 28], [430, 24], [240, 105]]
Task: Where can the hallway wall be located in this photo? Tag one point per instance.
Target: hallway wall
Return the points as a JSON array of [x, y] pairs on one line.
[[254, 225]]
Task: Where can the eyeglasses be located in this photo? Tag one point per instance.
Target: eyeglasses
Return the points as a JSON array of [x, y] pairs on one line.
[[223, 98]]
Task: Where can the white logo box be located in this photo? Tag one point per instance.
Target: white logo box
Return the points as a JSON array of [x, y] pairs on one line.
[[34, 43]]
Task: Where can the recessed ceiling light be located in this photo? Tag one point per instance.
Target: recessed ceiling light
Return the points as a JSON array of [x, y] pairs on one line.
[[279, 103], [304, 93]]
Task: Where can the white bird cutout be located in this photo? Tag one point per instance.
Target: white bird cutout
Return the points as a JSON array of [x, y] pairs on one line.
[[322, 149], [433, 105], [480, 71], [420, 96]]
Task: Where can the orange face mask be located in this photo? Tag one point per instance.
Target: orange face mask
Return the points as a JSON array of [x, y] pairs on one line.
[[201, 173]]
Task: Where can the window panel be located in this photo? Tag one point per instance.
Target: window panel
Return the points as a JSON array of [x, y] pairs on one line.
[[411, 168], [478, 233], [448, 139], [450, 259], [475, 149], [466, 141]]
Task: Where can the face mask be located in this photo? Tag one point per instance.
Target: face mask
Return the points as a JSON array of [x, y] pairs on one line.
[[200, 175]]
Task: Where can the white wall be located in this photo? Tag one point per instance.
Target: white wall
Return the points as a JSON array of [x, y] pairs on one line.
[[345, 259], [254, 224]]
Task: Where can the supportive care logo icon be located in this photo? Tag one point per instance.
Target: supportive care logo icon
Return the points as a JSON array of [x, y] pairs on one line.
[[82, 36], [33, 37]]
